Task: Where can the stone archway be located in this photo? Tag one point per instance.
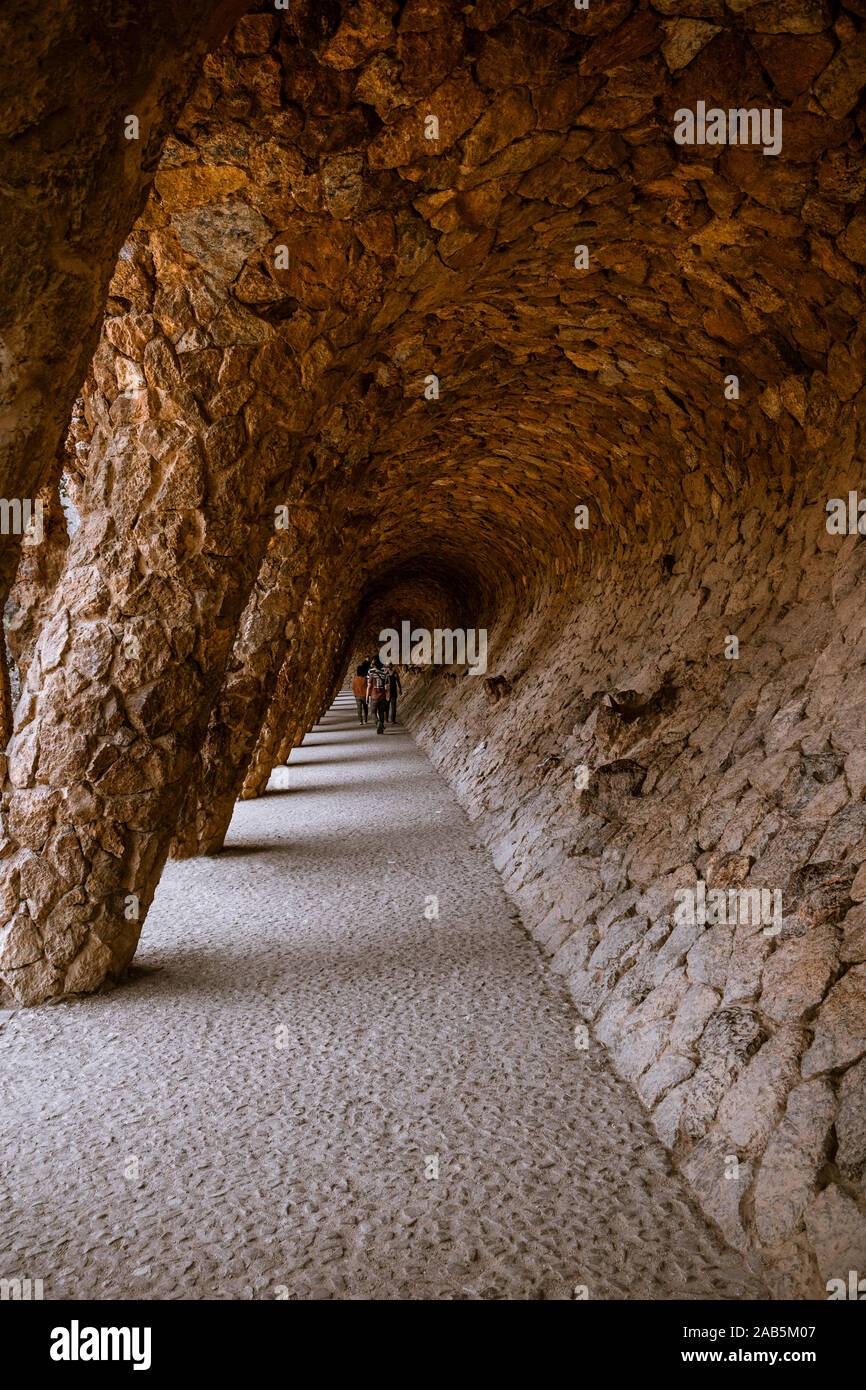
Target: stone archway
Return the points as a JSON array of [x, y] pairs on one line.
[[441, 291]]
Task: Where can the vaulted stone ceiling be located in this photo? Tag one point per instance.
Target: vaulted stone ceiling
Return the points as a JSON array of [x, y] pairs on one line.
[[342, 374]]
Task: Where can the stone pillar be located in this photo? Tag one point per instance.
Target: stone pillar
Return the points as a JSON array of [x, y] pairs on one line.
[[73, 185], [287, 626], [265, 633], [176, 508], [307, 675]]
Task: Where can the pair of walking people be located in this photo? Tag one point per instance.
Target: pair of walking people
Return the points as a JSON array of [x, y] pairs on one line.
[[376, 688]]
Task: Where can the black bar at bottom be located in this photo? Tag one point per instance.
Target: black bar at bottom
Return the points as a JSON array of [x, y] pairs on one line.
[[58, 1340]]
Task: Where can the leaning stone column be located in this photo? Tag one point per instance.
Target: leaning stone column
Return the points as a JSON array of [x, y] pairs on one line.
[[71, 193], [265, 633], [308, 673], [285, 626], [125, 672]]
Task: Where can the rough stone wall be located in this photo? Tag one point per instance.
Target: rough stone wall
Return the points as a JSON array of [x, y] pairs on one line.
[[746, 772], [39, 569]]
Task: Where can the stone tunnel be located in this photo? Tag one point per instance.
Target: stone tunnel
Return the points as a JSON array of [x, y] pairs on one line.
[[349, 316]]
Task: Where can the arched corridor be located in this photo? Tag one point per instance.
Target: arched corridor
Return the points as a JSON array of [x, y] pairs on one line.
[[258, 1109], [523, 343]]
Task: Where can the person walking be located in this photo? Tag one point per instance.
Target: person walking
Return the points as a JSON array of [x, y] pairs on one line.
[[394, 688], [359, 690], [377, 693]]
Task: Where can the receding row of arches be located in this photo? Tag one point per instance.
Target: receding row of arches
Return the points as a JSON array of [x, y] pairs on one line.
[[219, 338]]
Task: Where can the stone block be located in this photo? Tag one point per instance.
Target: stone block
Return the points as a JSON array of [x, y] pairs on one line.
[[663, 1001], [674, 950], [668, 1113], [670, 1069], [617, 946], [840, 1025], [851, 1123], [720, 1181], [89, 967], [749, 951], [792, 1160], [750, 1110], [853, 947], [638, 1049], [836, 1227], [708, 960], [798, 974], [692, 1015], [731, 1036]]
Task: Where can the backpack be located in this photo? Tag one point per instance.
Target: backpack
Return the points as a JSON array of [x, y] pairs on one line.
[[379, 681]]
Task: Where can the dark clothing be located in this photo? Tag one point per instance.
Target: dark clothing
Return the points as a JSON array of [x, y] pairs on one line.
[[363, 710], [380, 709], [394, 688]]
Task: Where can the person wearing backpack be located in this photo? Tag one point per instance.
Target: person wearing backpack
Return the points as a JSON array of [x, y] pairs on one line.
[[377, 693], [359, 690]]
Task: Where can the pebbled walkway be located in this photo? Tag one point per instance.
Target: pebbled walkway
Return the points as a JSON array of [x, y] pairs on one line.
[[255, 1113]]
